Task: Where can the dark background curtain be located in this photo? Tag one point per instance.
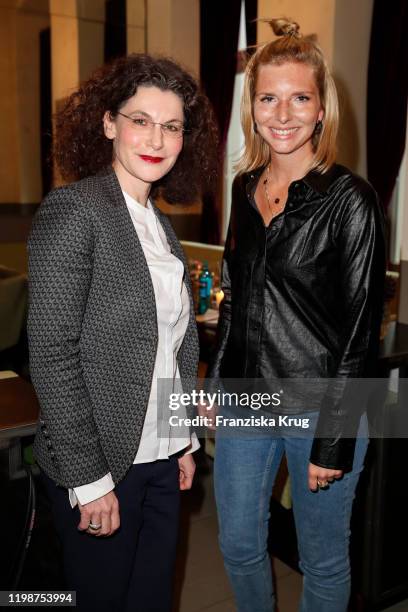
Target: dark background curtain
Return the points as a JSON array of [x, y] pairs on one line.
[[45, 110], [115, 29], [387, 95], [219, 30], [251, 14]]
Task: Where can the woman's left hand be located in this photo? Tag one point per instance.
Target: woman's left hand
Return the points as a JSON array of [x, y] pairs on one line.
[[320, 477], [187, 468]]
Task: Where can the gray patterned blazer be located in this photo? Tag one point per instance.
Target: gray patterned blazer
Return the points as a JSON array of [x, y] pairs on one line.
[[93, 331]]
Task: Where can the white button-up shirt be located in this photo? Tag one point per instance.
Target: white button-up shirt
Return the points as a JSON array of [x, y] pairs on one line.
[[173, 311]]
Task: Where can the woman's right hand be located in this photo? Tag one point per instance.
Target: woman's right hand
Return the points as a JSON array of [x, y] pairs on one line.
[[104, 512]]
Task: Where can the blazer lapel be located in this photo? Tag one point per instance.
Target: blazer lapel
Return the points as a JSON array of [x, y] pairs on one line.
[[113, 191]]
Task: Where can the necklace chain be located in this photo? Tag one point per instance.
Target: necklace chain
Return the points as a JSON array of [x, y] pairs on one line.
[[278, 209]]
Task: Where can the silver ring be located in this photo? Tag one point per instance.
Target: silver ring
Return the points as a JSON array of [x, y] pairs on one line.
[[94, 527]]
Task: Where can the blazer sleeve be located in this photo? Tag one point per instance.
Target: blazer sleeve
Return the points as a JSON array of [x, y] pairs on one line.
[[60, 249], [361, 277]]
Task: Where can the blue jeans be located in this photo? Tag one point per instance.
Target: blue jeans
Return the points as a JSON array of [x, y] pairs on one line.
[[244, 473]]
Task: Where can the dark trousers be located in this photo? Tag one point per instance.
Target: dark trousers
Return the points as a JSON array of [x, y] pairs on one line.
[[132, 570]]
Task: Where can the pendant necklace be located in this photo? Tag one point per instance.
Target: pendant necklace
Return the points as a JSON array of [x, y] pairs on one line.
[[277, 210]]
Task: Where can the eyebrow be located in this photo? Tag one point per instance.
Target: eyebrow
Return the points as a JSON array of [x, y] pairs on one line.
[[140, 112], [295, 93]]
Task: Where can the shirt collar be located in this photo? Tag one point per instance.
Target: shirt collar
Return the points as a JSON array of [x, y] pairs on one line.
[[137, 206], [319, 182]]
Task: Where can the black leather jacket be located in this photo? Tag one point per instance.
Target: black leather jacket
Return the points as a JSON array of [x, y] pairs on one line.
[[304, 296]]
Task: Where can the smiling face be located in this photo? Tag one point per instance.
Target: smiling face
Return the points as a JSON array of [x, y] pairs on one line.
[[143, 156], [286, 108]]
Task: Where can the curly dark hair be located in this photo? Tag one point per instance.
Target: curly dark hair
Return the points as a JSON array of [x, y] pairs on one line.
[[82, 149]]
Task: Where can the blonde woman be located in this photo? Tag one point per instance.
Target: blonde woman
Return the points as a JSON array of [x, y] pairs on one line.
[[302, 276]]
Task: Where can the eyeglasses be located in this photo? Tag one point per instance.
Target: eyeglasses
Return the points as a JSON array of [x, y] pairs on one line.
[[144, 125]]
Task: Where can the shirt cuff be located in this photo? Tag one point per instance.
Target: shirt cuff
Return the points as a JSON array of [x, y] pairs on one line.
[[195, 444], [91, 491]]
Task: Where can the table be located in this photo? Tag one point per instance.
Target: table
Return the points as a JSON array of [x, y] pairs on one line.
[[19, 410], [13, 306]]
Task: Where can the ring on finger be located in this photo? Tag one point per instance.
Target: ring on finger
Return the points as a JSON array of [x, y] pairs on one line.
[[94, 526], [322, 485]]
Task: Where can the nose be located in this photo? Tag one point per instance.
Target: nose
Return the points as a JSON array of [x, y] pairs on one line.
[[283, 111], [156, 137]]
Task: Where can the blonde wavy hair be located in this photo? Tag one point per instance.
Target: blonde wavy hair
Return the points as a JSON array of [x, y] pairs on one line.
[[290, 47]]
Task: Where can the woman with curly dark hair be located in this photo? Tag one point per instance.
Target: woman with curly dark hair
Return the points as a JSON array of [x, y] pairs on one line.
[[110, 313]]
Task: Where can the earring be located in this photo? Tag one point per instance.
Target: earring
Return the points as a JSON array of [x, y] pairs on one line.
[[318, 127]]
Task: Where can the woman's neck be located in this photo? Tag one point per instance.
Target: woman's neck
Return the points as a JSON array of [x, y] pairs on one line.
[[133, 186], [284, 169]]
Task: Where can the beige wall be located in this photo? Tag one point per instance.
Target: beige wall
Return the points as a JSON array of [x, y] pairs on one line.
[[29, 26], [64, 49], [20, 26], [91, 46], [159, 25], [342, 26], [352, 27], [173, 28], [136, 26], [313, 16], [186, 34], [9, 151], [77, 38]]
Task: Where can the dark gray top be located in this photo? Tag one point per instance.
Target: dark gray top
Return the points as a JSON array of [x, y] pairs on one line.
[[93, 331]]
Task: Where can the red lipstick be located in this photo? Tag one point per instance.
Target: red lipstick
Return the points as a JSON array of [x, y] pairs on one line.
[[151, 160]]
